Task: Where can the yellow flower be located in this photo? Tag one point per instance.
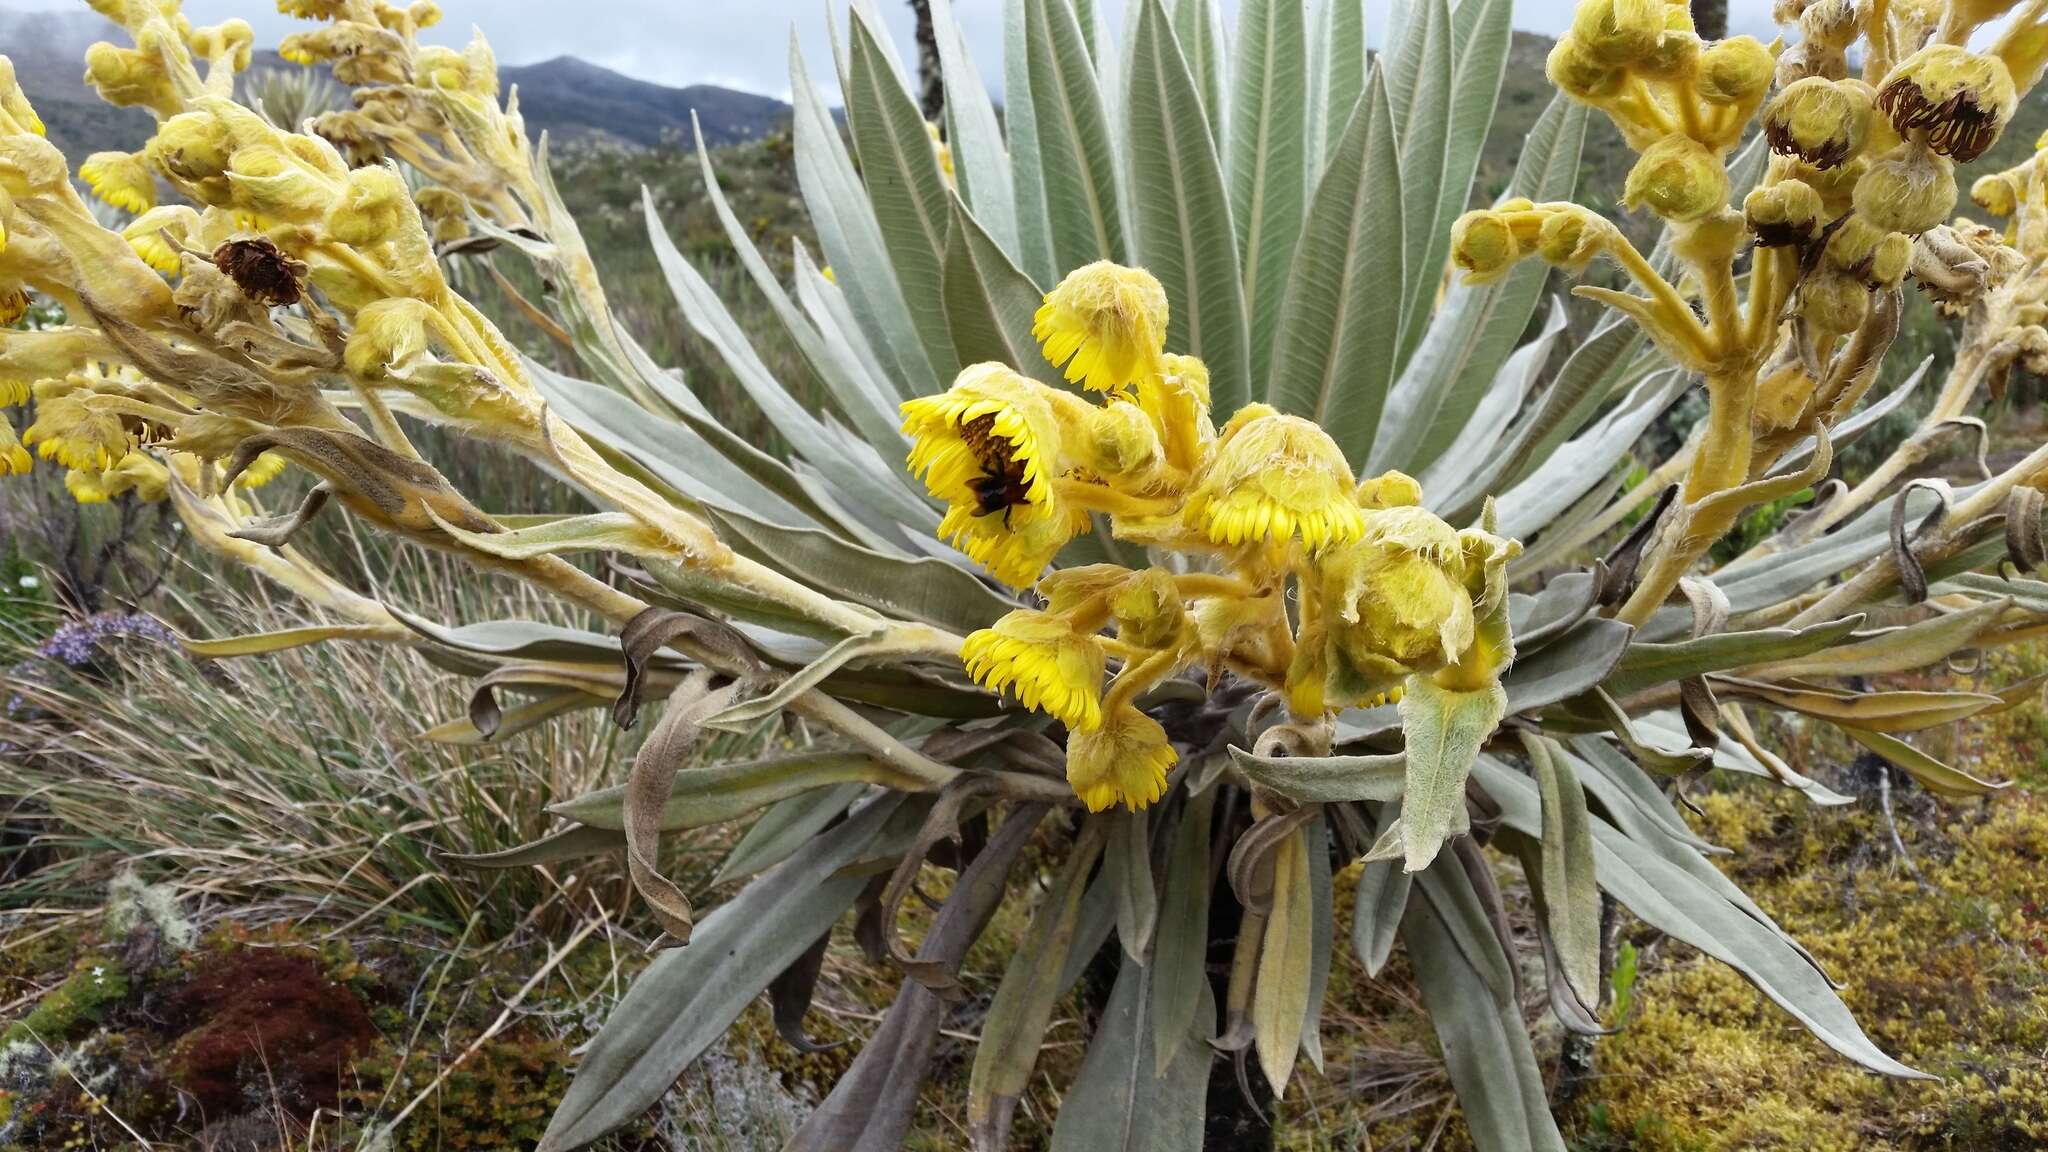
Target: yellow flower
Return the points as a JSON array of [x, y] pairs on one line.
[[1149, 611], [1735, 71], [1274, 477], [990, 447], [387, 334], [1106, 323], [1124, 761], [230, 41], [1909, 190], [86, 487], [14, 459], [69, 431], [1177, 399], [1618, 31], [120, 179], [1956, 99], [1042, 661], [16, 114], [267, 466], [271, 182]]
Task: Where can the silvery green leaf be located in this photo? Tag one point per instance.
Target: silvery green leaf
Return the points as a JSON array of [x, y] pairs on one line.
[[1118, 1102], [1486, 1046], [839, 209], [1443, 730], [1334, 358], [1588, 459], [1326, 779], [1268, 159], [1182, 216], [1074, 148], [1674, 899], [1198, 29], [785, 827], [1129, 860], [1322, 936], [1280, 993], [975, 135], [1379, 900], [990, 304], [1648, 663], [686, 999], [1422, 123], [1180, 957], [904, 185], [1568, 898]]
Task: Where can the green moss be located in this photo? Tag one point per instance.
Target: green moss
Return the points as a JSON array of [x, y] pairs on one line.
[[95, 983]]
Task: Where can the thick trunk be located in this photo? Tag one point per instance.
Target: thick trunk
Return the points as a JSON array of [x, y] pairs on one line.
[[931, 91], [1710, 18]]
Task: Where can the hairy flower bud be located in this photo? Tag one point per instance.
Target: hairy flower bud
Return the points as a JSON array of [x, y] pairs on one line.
[[1785, 214], [230, 41], [1483, 246], [372, 207], [1823, 122], [267, 181], [387, 333], [1909, 189], [1619, 31], [1678, 179], [1863, 251], [1996, 194], [1958, 99], [1735, 71], [192, 146], [1580, 74], [1832, 24], [1571, 237], [1831, 302], [129, 78]]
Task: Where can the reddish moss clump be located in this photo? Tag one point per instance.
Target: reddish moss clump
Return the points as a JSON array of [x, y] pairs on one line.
[[268, 1020]]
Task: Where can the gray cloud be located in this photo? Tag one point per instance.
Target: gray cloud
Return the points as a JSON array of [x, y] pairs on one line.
[[740, 43]]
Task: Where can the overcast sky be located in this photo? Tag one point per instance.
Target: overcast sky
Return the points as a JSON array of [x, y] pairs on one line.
[[737, 43]]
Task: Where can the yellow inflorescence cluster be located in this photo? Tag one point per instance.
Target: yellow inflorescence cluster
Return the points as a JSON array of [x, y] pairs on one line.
[[1860, 178], [1278, 566]]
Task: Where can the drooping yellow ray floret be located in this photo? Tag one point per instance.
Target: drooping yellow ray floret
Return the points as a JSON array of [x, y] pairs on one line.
[[121, 179], [1275, 477], [1124, 761], [990, 447], [69, 431], [1106, 323], [146, 235], [1044, 662], [14, 459]]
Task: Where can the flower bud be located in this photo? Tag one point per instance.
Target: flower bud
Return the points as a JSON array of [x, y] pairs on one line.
[[1678, 179], [1909, 189], [267, 181], [1863, 251], [192, 146], [1677, 52], [1392, 489], [1958, 99], [1735, 71], [1483, 246], [387, 333], [1995, 194], [1619, 31], [1833, 303], [1785, 214], [230, 41], [126, 77], [372, 207], [1832, 24], [1823, 122], [1580, 74], [1570, 237], [1121, 442]]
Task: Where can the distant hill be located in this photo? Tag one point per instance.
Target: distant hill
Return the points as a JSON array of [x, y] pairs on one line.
[[566, 97], [571, 97]]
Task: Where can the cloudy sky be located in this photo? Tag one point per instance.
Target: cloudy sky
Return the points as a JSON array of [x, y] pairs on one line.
[[737, 43]]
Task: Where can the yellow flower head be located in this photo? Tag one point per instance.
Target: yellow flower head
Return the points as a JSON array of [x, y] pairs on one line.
[[1043, 662], [193, 146], [1581, 74], [1997, 193], [1274, 477], [272, 182], [1017, 552], [70, 431], [1124, 761], [1956, 99], [87, 487], [1149, 611], [1400, 591], [121, 179], [1821, 121], [267, 466], [1106, 323], [1678, 179], [14, 459], [230, 41]]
